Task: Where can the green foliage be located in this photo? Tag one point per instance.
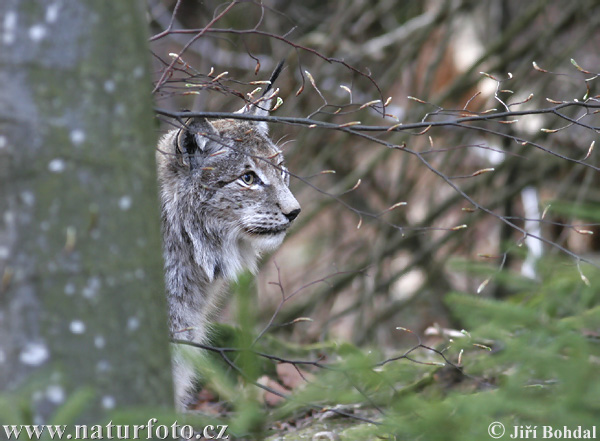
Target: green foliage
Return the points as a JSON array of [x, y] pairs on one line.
[[541, 367], [529, 360], [584, 211], [542, 370], [73, 406]]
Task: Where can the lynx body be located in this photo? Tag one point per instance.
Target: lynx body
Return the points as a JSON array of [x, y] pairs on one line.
[[225, 200]]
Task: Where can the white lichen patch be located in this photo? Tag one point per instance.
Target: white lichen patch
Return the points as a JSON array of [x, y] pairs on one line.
[[138, 72], [133, 323], [103, 366], [99, 342], [77, 327], [10, 27], [77, 136], [37, 32], [28, 197], [90, 290], [9, 218], [125, 203], [140, 274], [52, 12], [69, 289], [37, 418], [2, 357], [120, 109], [55, 394], [108, 402], [4, 252], [34, 354], [3, 142], [57, 165], [110, 86]]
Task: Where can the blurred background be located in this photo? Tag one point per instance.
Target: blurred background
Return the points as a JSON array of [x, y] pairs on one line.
[[443, 273], [355, 267]]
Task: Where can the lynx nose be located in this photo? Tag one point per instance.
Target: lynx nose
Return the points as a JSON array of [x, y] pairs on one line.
[[292, 214]]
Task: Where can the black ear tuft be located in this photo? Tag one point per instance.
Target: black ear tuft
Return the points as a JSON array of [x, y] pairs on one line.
[[264, 106], [193, 139], [274, 76]]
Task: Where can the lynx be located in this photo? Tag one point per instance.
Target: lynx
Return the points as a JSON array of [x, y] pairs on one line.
[[224, 200]]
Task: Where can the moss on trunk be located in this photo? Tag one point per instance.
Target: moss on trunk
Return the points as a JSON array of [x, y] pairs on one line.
[[82, 297]]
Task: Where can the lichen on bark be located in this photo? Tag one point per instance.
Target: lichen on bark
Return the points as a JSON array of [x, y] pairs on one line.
[[81, 297]]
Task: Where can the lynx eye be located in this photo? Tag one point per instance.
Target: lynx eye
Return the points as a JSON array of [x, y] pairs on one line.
[[249, 178]]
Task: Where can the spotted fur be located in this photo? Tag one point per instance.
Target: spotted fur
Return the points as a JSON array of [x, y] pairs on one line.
[[225, 200]]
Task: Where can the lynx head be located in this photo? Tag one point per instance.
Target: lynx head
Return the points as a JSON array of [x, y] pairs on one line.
[[225, 186]]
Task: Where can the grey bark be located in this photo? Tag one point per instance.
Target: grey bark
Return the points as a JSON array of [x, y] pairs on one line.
[[81, 293]]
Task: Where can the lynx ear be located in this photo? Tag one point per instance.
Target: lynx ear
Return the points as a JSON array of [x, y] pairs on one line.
[[261, 109], [194, 138], [264, 106]]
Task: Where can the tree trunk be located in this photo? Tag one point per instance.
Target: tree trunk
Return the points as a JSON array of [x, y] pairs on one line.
[[81, 294]]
